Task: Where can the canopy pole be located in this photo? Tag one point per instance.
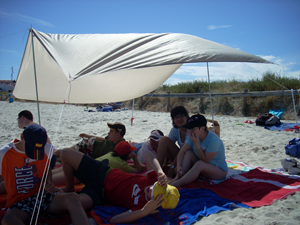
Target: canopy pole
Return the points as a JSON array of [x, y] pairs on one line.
[[211, 103], [294, 106], [35, 79], [132, 112]]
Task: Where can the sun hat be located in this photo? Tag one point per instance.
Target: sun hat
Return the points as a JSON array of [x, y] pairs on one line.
[[119, 127], [170, 195], [35, 137], [155, 135], [123, 147], [195, 121]]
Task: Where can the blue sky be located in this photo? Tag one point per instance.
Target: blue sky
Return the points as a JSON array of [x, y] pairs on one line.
[[266, 28]]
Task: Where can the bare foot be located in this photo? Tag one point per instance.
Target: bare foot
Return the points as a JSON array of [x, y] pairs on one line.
[[173, 180], [174, 183]]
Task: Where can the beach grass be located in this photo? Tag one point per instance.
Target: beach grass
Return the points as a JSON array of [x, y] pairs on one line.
[[228, 105]]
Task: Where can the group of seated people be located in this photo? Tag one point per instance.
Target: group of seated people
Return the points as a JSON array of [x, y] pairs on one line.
[[113, 170]]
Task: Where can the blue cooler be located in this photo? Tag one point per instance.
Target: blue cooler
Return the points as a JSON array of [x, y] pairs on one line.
[[107, 108]]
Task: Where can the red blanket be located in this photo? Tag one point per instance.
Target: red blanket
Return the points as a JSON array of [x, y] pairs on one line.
[[255, 188]]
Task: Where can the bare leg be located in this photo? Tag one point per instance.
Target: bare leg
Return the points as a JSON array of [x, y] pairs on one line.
[[15, 216], [189, 159], [70, 202], [58, 151], [206, 169], [57, 170], [60, 179], [166, 148], [70, 161]]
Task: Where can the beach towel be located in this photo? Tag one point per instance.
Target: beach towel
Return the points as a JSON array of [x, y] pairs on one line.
[[255, 188], [284, 127], [193, 203]]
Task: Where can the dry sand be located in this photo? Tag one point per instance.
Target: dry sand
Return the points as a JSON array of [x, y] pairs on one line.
[[246, 143]]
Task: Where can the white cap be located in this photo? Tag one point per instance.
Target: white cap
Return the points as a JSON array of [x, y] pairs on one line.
[[155, 135]]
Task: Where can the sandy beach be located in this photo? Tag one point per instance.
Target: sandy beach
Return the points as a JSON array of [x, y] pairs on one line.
[[246, 143]]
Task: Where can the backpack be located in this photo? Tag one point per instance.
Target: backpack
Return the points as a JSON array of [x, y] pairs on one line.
[[261, 120], [272, 121], [293, 148]]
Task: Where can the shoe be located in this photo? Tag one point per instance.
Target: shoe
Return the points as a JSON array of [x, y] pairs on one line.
[[286, 163], [294, 170]]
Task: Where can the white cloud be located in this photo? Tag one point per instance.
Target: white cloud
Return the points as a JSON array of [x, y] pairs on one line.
[[213, 27], [24, 18], [232, 70]]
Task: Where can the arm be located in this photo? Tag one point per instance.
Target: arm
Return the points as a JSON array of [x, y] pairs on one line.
[[153, 164], [129, 216], [137, 166], [84, 135], [180, 156], [204, 156], [49, 187]]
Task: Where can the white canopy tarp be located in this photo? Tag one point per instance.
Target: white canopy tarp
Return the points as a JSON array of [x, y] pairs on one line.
[[99, 68]]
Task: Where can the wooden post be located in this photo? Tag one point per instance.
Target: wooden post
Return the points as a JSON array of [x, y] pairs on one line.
[[244, 102], [141, 102], [201, 106], [168, 102]]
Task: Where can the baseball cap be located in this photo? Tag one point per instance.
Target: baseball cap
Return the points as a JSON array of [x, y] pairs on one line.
[[155, 135], [35, 137], [196, 121], [119, 127], [123, 147], [170, 195]]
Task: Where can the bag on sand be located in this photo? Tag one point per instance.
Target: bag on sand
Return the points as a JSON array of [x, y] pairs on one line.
[[293, 148], [272, 121], [261, 120]]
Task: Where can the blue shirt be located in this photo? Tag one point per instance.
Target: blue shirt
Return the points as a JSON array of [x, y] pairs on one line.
[[212, 143], [174, 135]]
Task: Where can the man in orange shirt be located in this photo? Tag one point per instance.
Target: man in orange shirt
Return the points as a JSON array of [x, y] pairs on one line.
[[23, 164]]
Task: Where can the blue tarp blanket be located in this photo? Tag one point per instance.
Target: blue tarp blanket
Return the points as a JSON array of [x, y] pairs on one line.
[[194, 203], [282, 126]]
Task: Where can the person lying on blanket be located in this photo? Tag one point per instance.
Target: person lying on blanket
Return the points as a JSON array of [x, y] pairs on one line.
[[104, 185], [95, 146], [203, 153], [117, 159], [22, 165]]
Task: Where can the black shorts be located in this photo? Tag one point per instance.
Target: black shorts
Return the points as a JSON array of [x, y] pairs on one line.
[[28, 205], [92, 173]]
